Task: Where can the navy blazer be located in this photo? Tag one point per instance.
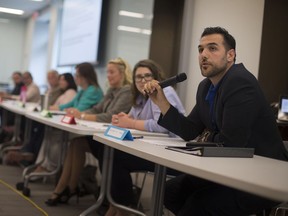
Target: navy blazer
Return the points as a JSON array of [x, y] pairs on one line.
[[242, 116]]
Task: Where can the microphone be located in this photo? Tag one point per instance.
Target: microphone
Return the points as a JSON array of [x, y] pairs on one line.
[[173, 80]]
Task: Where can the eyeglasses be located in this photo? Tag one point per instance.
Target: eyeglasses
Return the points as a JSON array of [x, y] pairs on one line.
[[146, 77]]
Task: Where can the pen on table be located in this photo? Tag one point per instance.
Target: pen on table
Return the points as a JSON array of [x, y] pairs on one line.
[[138, 137]]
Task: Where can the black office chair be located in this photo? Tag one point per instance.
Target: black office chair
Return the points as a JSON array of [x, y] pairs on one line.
[[138, 188], [281, 210], [139, 183]]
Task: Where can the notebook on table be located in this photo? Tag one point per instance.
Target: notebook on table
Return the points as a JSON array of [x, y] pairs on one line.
[[215, 151], [207, 149]]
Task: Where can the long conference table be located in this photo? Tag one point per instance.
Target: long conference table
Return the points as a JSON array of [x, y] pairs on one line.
[[19, 111], [82, 128], [88, 129], [258, 175]]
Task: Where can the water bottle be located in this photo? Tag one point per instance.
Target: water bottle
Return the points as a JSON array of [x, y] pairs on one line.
[[23, 95], [46, 101]]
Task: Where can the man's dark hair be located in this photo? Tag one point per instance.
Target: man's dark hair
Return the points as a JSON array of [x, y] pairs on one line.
[[28, 74], [229, 41], [17, 73]]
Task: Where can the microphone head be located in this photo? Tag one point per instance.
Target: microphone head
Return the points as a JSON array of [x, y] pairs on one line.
[[181, 77], [173, 80]]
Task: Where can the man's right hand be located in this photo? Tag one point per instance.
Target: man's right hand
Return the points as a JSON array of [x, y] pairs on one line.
[[156, 94]]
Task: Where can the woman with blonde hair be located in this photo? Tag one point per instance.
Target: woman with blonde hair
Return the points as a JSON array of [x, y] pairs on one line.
[[117, 99]]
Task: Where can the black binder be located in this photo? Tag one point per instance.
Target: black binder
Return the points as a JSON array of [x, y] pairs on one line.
[[204, 144], [215, 151]]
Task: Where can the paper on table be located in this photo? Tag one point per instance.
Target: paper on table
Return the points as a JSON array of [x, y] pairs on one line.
[[135, 132], [100, 126], [165, 142], [103, 126], [95, 125], [57, 112]]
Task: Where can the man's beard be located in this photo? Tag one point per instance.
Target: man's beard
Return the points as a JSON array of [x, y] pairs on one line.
[[215, 70]]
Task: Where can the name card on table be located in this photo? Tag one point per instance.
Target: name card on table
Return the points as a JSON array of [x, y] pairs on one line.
[[46, 113], [68, 119], [118, 133]]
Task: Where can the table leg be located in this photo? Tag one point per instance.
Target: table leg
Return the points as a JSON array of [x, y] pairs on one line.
[[158, 191], [28, 123], [4, 119], [16, 135], [15, 139], [109, 178], [106, 185], [103, 186], [65, 139]]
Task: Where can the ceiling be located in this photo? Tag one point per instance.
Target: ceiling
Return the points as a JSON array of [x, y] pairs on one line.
[[28, 6]]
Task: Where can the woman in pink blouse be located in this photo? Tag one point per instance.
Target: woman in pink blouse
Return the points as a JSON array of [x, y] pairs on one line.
[[67, 84]]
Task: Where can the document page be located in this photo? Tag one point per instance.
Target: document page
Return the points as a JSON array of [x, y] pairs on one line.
[[95, 125], [165, 142]]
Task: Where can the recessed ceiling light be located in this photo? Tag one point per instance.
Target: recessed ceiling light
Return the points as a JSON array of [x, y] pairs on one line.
[[129, 29], [134, 30], [11, 11], [131, 14]]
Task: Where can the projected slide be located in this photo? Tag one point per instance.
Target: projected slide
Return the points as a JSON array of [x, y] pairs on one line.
[[79, 33]]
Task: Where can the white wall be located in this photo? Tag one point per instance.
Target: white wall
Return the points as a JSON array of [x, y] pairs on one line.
[[27, 49], [42, 45], [242, 18], [38, 62], [127, 45], [12, 36]]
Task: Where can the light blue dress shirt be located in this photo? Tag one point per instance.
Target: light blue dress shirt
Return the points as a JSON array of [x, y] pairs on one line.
[[150, 112]]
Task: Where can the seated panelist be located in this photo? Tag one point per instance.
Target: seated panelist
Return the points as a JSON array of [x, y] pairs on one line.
[[143, 116], [89, 95], [230, 108], [117, 99]]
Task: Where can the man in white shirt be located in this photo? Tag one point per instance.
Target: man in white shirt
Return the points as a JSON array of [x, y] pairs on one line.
[[54, 90]]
